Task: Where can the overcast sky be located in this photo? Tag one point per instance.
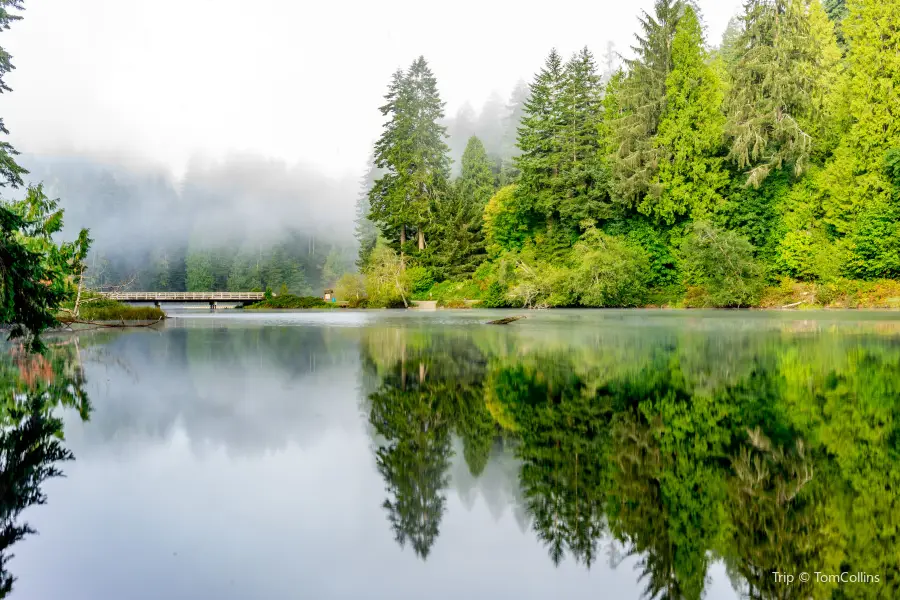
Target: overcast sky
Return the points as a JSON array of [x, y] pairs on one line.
[[160, 82]]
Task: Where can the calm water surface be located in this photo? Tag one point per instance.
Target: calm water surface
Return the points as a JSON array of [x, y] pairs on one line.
[[573, 454]]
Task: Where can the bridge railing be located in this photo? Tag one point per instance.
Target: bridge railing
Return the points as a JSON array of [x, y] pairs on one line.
[[183, 296]]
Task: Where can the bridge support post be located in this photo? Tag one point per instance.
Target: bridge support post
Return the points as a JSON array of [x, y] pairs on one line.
[[157, 304], [213, 305]]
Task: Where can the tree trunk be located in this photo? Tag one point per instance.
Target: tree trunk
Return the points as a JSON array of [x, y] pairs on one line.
[[80, 287], [421, 239], [402, 235]]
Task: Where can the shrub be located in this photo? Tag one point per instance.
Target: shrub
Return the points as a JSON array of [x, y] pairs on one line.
[[419, 279], [289, 301], [351, 287], [494, 297], [387, 283], [609, 272], [718, 268]]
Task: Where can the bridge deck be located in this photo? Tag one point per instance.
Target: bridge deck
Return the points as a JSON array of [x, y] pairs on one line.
[[184, 296]]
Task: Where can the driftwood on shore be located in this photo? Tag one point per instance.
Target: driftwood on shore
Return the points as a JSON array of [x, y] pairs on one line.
[[506, 320]]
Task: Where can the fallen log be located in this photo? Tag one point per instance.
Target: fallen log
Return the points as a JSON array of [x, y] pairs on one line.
[[505, 321]]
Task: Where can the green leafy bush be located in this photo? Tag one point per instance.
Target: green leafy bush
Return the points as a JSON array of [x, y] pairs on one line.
[[419, 279], [289, 301], [719, 269], [609, 272]]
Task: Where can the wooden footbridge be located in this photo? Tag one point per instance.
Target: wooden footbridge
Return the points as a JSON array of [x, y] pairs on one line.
[[213, 298]]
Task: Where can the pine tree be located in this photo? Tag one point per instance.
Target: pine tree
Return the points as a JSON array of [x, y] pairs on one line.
[[540, 137], [642, 101], [691, 132], [459, 248], [582, 189], [413, 153], [776, 80], [388, 197], [476, 181]]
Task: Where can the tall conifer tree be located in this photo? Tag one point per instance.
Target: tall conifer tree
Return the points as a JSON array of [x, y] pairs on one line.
[[582, 190], [776, 80], [691, 131], [540, 137], [642, 101], [413, 153]]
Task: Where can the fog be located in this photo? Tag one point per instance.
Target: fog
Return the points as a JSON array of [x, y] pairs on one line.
[[150, 120]]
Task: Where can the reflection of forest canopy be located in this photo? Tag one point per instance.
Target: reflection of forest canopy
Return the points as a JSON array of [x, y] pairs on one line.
[[32, 388], [767, 451]]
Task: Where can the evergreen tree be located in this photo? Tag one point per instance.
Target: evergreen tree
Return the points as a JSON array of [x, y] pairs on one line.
[[476, 181], [582, 190], [855, 180], [691, 131], [413, 152], [540, 137], [776, 82], [642, 101]]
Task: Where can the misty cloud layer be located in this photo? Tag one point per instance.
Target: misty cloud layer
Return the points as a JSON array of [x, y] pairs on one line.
[[130, 210]]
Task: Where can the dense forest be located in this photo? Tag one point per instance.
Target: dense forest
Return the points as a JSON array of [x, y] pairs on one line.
[[689, 175]]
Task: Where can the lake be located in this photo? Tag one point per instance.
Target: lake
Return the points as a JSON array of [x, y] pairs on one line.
[[410, 455]]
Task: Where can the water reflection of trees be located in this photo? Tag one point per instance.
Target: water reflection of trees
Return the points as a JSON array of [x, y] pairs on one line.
[[33, 389], [785, 459]]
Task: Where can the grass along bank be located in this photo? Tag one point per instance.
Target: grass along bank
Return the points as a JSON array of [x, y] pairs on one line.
[[95, 308], [289, 301]]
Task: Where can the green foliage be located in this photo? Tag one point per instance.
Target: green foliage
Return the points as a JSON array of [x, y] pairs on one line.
[[387, 284], [289, 301], [36, 273], [719, 269], [562, 175], [778, 82], [773, 156], [609, 272], [640, 102], [690, 177], [110, 310], [412, 154], [351, 287], [640, 233], [419, 279], [505, 227]]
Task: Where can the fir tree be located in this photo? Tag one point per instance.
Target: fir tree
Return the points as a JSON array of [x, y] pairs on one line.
[[582, 190], [642, 101], [776, 80], [413, 153], [476, 181], [540, 137], [691, 132]]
